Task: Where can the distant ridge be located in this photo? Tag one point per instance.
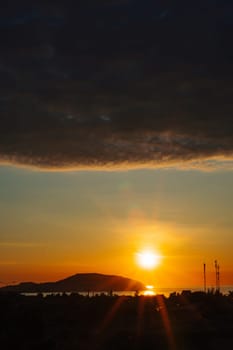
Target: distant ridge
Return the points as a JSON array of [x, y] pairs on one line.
[[80, 282]]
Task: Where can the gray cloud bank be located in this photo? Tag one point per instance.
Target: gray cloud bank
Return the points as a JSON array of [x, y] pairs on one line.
[[116, 83]]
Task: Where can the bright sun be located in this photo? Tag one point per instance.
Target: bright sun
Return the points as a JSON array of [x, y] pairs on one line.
[[148, 259]]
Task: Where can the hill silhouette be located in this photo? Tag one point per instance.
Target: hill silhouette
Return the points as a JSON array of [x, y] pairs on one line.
[[79, 283]]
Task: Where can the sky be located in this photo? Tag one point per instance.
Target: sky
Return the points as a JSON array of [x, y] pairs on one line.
[[116, 129]]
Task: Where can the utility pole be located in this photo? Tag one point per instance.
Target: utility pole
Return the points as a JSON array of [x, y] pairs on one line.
[[204, 277], [217, 275]]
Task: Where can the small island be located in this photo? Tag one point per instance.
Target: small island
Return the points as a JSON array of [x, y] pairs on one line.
[[81, 282]]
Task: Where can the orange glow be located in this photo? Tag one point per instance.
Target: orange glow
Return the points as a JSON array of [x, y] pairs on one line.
[[181, 266]]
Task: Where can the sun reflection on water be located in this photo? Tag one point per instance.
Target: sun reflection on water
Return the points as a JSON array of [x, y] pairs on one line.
[[149, 291]]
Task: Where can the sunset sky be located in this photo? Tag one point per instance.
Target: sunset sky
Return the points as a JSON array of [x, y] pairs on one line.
[[55, 224], [116, 136]]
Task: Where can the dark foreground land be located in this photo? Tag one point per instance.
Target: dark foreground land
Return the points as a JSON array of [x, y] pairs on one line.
[[184, 321]]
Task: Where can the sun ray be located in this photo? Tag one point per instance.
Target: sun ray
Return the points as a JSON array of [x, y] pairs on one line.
[[166, 321]]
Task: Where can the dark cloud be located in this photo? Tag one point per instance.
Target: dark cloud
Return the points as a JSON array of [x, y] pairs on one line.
[[109, 83]]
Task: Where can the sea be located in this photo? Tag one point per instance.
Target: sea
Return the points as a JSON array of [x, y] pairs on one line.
[[156, 291]]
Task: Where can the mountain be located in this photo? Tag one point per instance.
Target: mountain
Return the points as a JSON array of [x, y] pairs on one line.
[[79, 283]]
